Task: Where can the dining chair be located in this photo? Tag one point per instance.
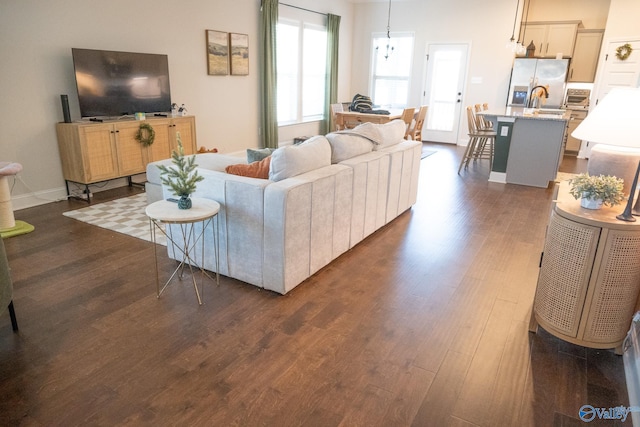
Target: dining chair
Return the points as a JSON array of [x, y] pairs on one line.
[[334, 117], [6, 287], [407, 118], [481, 142], [415, 129]]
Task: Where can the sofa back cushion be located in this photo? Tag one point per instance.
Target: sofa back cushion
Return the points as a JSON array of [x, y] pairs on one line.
[[345, 146], [391, 133], [294, 160], [257, 154]]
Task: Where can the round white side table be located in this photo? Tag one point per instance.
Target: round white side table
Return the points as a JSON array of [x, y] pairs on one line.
[[589, 278], [204, 211]]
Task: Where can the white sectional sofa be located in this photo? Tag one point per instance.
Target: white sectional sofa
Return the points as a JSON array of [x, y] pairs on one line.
[[323, 197]]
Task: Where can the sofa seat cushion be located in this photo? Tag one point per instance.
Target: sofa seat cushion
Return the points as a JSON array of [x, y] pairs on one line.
[[345, 146], [294, 160], [259, 169]]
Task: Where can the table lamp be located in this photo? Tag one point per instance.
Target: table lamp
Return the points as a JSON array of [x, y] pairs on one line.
[[616, 121]]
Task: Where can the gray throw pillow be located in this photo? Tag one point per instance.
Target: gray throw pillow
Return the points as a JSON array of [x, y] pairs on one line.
[[255, 155]]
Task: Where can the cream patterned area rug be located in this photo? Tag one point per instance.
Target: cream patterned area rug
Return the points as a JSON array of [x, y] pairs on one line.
[[125, 215], [564, 176]]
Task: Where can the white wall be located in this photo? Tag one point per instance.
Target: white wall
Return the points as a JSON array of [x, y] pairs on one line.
[[623, 19], [36, 38]]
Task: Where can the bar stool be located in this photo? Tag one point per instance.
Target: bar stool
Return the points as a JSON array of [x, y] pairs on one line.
[[481, 142], [7, 169]]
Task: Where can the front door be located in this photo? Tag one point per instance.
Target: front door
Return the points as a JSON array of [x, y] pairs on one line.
[[446, 66]]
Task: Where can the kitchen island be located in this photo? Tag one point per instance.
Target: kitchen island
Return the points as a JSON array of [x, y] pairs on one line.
[[529, 144]]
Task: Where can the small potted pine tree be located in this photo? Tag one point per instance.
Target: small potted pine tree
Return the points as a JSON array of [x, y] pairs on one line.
[[182, 178]]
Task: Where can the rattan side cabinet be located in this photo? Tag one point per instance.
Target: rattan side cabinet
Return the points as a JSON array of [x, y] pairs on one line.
[[589, 275]]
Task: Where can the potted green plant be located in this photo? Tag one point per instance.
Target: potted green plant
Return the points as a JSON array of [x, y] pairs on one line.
[[594, 191], [182, 178]]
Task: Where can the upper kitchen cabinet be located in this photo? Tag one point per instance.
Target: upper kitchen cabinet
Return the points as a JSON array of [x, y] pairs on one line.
[[585, 56], [551, 38]]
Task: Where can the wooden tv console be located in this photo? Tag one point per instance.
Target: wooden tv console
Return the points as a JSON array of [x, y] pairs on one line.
[[93, 152]]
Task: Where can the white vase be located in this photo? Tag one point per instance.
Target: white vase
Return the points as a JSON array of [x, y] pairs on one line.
[[591, 203]]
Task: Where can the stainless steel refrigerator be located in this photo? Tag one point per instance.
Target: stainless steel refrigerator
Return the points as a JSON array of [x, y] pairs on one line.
[[528, 73]]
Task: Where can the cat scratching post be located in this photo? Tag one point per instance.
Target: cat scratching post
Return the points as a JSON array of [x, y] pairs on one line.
[[7, 169]]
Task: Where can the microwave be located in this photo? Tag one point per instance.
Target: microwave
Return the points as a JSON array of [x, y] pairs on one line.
[[577, 98]]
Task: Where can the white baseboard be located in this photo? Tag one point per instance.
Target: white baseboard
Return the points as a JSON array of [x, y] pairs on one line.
[[500, 177], [37, 198]]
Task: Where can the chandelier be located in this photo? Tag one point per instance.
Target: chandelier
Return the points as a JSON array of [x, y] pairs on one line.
[[388, 48]]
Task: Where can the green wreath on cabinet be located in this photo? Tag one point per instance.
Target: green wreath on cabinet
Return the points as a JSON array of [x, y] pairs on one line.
[[145, 134], [623, 52]]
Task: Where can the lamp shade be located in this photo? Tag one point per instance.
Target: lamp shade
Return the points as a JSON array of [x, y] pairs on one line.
[[614, 121]]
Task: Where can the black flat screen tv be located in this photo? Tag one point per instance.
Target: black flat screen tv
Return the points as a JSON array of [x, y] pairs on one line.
[[112, 84]]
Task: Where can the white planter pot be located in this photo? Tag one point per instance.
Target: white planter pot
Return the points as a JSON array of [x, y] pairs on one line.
[[591, 203]]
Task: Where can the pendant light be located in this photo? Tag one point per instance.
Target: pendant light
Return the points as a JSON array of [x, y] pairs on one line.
[[388, 48], [515, 46]]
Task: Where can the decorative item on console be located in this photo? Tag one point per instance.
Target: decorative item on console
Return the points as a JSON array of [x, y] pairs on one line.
[[178, 111], [594, 191], [145, 134]]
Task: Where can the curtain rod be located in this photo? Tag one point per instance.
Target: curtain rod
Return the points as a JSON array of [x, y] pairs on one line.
[[302, 8]]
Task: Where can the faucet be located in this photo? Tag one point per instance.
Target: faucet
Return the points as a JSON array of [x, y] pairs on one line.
[[533, 100]]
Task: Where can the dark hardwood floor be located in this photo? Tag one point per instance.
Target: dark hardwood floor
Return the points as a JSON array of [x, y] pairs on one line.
[[422, 324]]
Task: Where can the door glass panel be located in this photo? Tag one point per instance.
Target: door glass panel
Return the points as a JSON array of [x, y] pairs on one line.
[[444, 96]]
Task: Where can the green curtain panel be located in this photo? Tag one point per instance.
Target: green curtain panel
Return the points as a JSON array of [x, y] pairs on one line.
[[268, 74], [331, 87]]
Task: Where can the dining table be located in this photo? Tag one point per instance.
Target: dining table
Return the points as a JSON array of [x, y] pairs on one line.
[[351, 119]]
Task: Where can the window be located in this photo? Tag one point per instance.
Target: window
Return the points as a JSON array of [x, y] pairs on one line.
[[390, 77], [302, 55]]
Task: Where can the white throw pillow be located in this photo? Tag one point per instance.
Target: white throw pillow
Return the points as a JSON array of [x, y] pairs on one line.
[[294, 160], [345, 146], [392, 133]]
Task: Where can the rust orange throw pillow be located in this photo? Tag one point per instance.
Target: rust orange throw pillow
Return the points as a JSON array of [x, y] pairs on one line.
[[254, 170]]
